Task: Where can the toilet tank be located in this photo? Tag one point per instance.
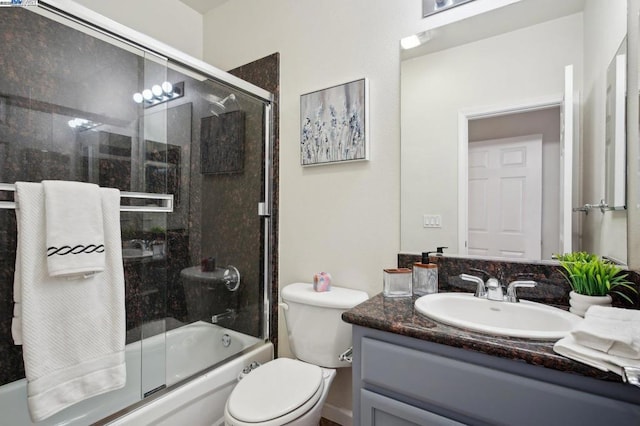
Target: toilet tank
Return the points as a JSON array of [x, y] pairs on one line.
[[317, 334]]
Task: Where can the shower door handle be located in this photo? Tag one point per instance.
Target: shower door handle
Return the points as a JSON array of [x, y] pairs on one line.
[[263, 211]]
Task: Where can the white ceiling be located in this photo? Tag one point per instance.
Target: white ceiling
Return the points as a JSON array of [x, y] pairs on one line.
[[203, 6]]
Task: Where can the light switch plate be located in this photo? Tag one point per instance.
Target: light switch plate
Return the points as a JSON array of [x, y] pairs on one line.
[[432, 221]]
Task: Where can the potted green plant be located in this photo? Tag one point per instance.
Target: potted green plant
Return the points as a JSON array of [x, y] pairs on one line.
[[158, 233], [592, 280]]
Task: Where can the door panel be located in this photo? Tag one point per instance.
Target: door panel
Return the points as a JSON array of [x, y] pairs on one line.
[[505, 197]]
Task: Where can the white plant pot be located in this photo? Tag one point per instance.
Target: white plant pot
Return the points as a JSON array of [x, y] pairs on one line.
[[580, 302]]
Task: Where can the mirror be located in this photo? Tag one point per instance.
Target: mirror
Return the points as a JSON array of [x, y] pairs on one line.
[[497, 79], [615, 136]]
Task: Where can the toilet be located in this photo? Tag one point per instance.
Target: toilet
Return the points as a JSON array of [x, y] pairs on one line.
[[292, 391]]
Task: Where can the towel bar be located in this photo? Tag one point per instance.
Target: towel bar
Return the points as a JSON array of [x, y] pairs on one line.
[[603, 206], [165, 205]]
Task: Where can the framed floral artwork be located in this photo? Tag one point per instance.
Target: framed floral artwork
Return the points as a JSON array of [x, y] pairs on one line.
[[333, 124]]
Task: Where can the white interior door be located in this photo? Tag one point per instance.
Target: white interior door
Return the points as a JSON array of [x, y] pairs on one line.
[[505, 197], [567, 138]]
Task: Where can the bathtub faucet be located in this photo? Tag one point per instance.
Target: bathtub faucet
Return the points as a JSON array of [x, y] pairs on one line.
[[228, 313]]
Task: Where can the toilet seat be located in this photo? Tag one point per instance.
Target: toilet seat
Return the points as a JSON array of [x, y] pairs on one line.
[[275, 393]]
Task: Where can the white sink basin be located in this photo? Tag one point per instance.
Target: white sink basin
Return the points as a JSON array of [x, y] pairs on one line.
[[524, 319]]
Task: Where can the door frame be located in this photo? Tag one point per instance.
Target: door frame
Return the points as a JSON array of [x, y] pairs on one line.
[[464, 116]]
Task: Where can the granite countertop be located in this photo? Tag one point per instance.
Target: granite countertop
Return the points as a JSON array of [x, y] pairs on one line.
[[397, 315]]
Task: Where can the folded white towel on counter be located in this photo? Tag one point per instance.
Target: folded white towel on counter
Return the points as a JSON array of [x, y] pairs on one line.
[[568, 347], [72, 331], [615, 331], [74, 229]]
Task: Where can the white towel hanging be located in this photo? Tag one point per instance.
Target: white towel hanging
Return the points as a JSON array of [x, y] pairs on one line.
[[72, 332]]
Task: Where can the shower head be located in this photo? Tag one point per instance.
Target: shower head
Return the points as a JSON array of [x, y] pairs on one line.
[[218, 106], [223, 103]]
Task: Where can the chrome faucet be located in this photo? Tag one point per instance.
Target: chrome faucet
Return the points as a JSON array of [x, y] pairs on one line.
[[228, 313], [481, 290], [493, 290], [511, 289]]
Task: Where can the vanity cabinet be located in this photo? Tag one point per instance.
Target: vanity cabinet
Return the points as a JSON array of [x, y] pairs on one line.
[[400, 380]]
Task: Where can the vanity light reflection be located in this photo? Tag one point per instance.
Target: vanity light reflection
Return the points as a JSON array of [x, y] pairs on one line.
[[159, 93]]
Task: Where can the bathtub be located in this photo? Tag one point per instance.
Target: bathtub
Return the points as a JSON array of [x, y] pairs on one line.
[[189, 349]]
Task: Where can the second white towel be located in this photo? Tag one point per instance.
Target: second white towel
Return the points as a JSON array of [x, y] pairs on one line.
[[567, 346], [74, 229], [614, 331]]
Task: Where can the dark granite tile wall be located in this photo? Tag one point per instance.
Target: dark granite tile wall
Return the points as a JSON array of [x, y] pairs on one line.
[[231, 229], [265, 73], [552, 287]]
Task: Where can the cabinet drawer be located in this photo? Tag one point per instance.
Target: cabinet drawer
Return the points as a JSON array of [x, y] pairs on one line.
[[378, 410], [483, 393]]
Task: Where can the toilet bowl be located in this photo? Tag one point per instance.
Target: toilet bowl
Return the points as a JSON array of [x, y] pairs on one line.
[[281, 392], [293, 391]]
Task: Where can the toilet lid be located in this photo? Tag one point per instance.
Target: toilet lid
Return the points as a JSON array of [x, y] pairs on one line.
[[274, 389]]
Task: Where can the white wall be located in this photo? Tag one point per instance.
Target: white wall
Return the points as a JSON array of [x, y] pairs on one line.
[[607, 22], [168, 21], [344, 218], [526, 64]]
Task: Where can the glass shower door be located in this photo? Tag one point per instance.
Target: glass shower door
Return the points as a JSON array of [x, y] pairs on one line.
[[215, 297]]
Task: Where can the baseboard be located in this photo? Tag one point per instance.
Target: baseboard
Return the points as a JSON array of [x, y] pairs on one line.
[[342, 416]]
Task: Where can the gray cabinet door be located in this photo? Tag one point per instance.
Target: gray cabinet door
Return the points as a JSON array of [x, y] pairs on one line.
[[481, 394], [378, 410]]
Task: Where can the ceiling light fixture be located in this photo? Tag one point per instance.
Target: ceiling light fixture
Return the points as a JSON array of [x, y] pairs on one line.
[[410, 42], [415, 40]]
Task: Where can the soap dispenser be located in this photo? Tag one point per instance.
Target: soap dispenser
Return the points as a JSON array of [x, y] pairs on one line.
[[425, 274]]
